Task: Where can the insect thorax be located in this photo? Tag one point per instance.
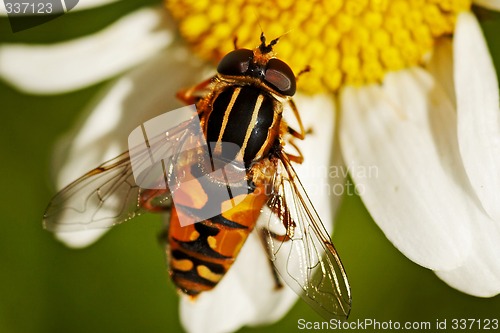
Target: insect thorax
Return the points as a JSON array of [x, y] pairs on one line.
[[247, 116]]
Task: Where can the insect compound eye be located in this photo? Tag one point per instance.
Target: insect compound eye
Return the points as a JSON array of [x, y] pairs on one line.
[[280, 76], [235, 62]]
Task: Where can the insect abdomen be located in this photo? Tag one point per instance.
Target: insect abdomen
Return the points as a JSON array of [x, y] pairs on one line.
[[246, 116], [202, 252]]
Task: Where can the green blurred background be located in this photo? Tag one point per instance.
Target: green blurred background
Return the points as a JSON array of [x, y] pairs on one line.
[[120, 284]]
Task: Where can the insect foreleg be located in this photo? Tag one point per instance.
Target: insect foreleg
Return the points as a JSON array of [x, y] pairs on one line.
[[193, 94], [295, 158], [301, 134]]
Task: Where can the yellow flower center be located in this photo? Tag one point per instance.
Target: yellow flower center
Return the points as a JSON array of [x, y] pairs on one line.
[[343, 41]]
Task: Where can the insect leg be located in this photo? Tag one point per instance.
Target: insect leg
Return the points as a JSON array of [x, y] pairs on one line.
[[295, 158], [279, 206], [163, 236], [155, 200], [301, 133], [192, 95]]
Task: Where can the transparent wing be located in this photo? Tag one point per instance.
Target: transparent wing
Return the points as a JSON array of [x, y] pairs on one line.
[[300, 247], [108, 195]]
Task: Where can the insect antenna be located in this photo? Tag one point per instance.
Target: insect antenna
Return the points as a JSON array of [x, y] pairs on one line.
[[269, 47]]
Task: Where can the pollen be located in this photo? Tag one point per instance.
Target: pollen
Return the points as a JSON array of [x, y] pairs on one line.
[[343, 42]]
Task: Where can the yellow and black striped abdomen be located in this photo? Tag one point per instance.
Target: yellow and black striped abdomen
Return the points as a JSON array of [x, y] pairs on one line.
[[246, 116], [201, 253]]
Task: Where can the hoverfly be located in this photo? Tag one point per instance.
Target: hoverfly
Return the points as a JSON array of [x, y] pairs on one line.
[[242, 104]]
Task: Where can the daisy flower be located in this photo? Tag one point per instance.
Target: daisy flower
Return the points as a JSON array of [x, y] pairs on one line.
[[418, 99], [407, 87]]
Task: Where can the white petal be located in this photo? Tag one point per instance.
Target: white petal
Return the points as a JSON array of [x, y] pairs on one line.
[[441, 67], [133, 99], [246, 295], [490, 4], [81, 238], [477, 116], [480, 274], [478, 112], [78, 63], [417, 194]]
